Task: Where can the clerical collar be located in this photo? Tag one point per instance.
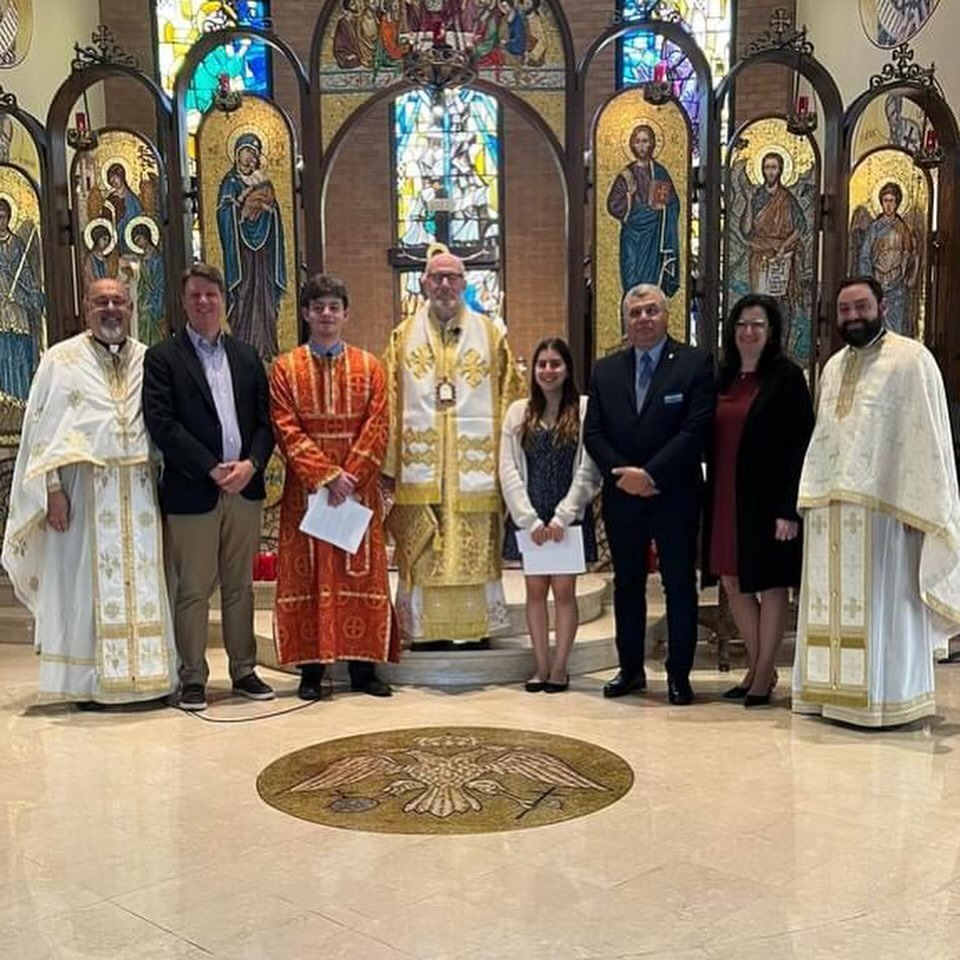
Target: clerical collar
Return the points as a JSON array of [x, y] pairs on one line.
[[322, 350], [113, 348]]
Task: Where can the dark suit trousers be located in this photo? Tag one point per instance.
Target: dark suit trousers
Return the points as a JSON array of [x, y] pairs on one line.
[[203, 550], [675, 532]]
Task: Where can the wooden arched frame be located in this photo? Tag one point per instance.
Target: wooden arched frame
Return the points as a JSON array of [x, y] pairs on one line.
[[62, 299], [565, 157], [706, 181], [308, 246], [9, 107], [833, 197], [943, 329]]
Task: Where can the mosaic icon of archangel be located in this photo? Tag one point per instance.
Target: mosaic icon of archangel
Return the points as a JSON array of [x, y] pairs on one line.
[[22, 301], [889, 201]]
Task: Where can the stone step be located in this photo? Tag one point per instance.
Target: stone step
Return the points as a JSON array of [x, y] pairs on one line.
[[593, 592], [510, 659]]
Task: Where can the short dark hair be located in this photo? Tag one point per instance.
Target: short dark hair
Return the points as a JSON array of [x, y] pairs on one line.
[[204, 271], [730, 358], [100, 231], [322, 285], [866, 281]]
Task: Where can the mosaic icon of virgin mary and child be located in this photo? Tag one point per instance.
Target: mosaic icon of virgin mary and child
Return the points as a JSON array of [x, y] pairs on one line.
[[252, 239]]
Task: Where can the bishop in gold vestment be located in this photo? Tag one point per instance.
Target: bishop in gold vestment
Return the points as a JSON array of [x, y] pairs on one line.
[[450, 378], [82, 544], [881, 567]]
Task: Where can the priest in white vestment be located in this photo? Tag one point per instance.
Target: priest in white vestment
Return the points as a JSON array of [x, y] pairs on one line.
[[450, 378], [878, 495], [82, 544]]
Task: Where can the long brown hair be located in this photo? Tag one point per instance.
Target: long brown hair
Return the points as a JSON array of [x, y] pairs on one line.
[[568, 419]]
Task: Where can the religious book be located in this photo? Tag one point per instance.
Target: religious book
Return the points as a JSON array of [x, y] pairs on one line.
[[659, 194]]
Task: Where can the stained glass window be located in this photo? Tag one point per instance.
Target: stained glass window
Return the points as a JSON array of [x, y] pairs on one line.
[[180, 23], [710, 23], [448, 189]]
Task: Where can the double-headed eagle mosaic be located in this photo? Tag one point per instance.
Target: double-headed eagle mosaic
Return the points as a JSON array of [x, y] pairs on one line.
[[441, 783]]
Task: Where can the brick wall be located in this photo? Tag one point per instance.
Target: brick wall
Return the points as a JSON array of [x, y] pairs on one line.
[[358, 208], [763, 89]]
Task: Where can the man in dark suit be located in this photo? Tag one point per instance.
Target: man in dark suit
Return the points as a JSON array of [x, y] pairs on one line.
[[206, 405], [647, 423]]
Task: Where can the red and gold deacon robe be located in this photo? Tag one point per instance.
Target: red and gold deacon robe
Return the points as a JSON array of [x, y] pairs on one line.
[[330, 416]]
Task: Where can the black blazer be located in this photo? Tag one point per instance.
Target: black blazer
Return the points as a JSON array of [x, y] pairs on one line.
[[182, 419], [666, 438], [769, 460]]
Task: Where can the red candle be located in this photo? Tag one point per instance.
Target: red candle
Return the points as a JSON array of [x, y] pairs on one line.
[[258, 567], [439, 32], [270, 566], [659, 72], [82, 122], [932, 140], [224, 83], [803, 105]]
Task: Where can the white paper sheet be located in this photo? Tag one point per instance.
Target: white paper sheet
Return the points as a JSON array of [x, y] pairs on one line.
[[552, 557], [343, 526]]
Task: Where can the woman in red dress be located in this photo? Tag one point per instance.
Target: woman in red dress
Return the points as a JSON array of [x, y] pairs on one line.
[[762, 425]]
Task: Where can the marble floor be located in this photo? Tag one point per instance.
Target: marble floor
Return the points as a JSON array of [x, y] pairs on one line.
[[748, 834]]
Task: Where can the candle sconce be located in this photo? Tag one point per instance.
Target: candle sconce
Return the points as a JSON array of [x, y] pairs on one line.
[[225, 99], [80, 137], [929, 154], [801, 120], [659, 90]]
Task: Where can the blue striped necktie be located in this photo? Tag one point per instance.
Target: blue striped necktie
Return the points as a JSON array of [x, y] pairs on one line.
[[644, 376]]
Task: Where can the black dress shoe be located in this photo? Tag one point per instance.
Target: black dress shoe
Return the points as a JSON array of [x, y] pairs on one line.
[[320, 690], [534, 686], [374, 687], [551, 687], [679, 691], [624, 683], [430, 646], [756, 700], [482, 644], [735, 693]]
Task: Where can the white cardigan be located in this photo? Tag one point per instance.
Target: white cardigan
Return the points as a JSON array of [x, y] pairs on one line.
[[513, 475]]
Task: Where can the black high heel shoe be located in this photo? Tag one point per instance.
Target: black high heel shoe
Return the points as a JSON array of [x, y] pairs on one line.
[[736, 693], [534, 686], [756, 700], [551, 687]]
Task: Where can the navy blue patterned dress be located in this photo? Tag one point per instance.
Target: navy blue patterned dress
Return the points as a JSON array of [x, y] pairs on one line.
[[550, 470]]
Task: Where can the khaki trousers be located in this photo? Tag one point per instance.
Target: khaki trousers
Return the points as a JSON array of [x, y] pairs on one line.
[[202, 550]]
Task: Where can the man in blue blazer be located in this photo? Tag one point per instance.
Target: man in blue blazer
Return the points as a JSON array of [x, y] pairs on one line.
[[206, 404], [647, 423]]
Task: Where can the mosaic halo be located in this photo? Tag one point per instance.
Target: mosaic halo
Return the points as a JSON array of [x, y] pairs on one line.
[[445, 780]]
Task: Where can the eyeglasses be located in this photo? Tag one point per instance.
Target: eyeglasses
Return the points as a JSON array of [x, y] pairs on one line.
[[449, 278], [751, 324]]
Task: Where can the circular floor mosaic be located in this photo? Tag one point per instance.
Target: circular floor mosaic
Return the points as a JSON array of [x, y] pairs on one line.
[[445, 780]]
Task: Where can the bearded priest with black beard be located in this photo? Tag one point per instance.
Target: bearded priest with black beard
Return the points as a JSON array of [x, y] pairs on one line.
[[878, 494]]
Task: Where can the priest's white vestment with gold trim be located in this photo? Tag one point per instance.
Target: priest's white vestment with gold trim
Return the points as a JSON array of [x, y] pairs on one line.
[[97, 592], [881, 569], [449, 386]]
